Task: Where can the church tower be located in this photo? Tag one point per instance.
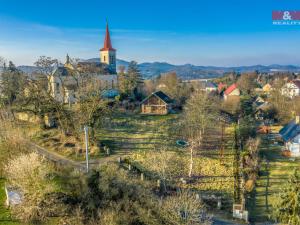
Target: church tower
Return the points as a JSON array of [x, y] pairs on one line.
[[68, 63], [108, 53]]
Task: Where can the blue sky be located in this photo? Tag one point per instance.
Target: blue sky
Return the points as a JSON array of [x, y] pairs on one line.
[[200, 32]]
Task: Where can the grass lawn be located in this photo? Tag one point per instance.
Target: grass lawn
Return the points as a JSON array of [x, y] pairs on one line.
[[210, 174], [274, 174], [127, 133], [123, 134]]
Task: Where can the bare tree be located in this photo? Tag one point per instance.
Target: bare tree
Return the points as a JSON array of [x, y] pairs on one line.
[[184, 208], [199, 113], [247, 83], [93, 109], [46, 64]]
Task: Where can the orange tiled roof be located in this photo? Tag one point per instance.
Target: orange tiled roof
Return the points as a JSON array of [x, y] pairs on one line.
[[230, 89]]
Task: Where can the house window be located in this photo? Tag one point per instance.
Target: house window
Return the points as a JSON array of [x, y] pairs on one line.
[[104, 58]]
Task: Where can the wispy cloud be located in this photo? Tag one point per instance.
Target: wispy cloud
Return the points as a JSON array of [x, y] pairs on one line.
[[23, 42]]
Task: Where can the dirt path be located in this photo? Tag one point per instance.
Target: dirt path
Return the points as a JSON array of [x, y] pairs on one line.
[[64, 161]]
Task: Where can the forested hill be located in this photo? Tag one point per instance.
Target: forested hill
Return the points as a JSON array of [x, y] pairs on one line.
[[189, 71]]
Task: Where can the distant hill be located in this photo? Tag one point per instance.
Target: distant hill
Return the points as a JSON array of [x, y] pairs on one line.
[[188, 71], [28, 69]]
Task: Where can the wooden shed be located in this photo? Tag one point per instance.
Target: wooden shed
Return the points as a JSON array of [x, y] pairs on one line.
[[158, 103]]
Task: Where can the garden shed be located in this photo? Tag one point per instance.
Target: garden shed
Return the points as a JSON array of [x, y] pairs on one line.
[[158, 103]]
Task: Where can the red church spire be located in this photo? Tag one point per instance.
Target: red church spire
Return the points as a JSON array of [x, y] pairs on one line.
[[107, 42]]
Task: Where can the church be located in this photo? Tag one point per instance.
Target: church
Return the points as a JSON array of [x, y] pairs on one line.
[[63, 83]]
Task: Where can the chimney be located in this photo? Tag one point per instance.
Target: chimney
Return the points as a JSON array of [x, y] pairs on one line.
[[297, 120]]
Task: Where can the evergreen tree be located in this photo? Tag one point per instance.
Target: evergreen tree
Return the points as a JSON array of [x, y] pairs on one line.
[[12, 67], [123, 81], [287, 204], [134, 78], [12, 83]]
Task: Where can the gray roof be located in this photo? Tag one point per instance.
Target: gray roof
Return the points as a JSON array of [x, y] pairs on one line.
[[207, 84], [210, 85], [263, 106], [61, 71], [160, 95], [290, 131]]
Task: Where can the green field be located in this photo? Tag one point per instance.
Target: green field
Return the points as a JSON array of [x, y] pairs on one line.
[[273, 176], [127, 133], [124, 133], [135, 135]]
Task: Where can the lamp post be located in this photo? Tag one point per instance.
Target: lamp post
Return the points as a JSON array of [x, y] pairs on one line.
[[86, 148]]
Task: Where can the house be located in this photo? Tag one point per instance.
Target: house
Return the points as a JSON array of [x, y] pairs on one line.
[[258, 101], [232, 90], [291, 136], [158, 103], [221, 87], [65, 80], [291, 89], [267, 88], [206, 86], [62, 84], [210, 86], [263, 111]]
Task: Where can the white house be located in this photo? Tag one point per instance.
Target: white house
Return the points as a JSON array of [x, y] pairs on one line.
[[291, 89], [291, 136]]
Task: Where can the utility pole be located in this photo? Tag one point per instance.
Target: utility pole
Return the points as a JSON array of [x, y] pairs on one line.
[[86, 148]]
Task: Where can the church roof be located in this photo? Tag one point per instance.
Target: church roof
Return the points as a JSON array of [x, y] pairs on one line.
[[61, 71], [107, 42]]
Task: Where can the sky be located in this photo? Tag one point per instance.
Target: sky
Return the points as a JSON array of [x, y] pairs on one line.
[[199, 32]]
